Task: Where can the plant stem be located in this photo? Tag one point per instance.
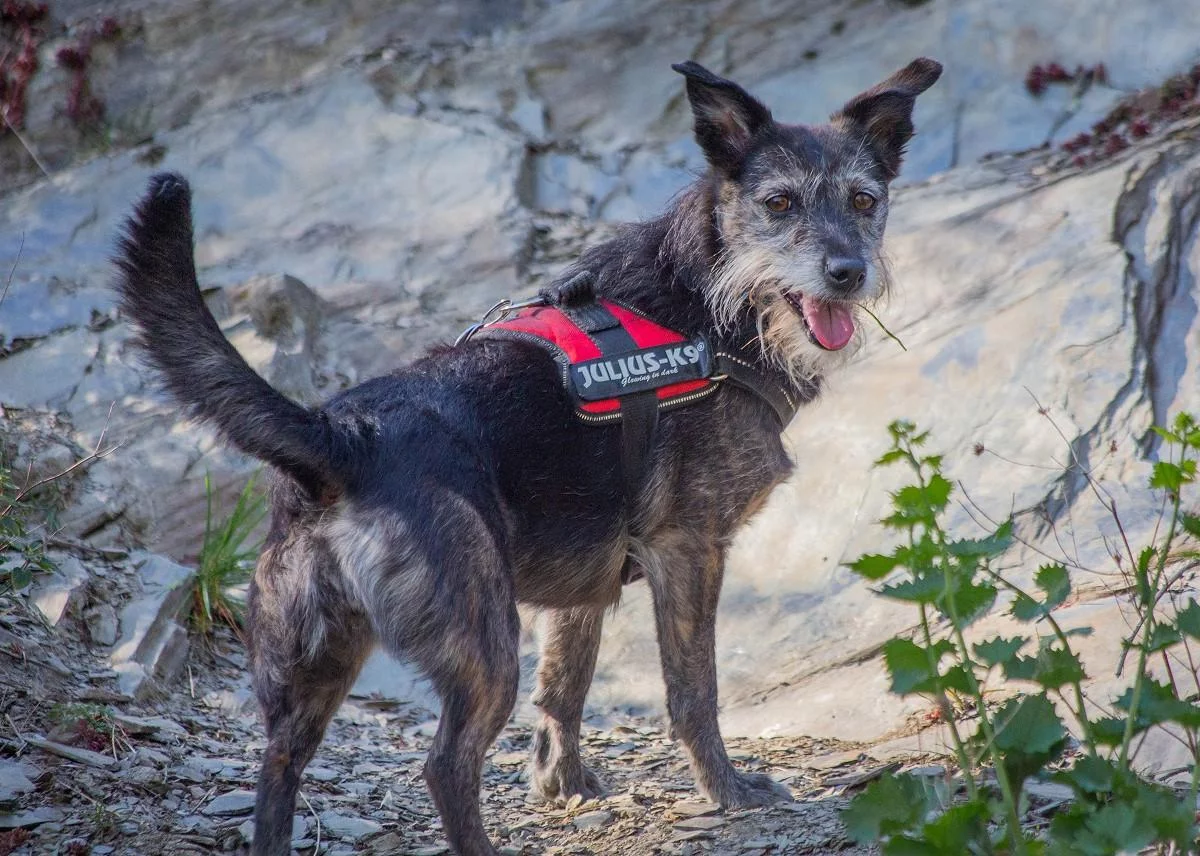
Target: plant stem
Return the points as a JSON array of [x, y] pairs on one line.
[[960, 748], [1085, 724], [1148, 621], [985, 723], [885, 330], [1193, 789]]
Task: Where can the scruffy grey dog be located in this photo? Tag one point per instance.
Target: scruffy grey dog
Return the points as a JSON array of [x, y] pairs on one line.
[[415, 510]]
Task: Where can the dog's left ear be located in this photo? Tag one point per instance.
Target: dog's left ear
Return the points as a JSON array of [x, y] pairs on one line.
[[727, 117], [883, 114]]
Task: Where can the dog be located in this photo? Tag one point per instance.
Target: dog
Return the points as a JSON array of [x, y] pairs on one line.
[[417, 509]]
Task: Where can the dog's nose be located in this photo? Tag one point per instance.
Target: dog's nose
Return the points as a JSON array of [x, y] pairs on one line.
[[845, 274]]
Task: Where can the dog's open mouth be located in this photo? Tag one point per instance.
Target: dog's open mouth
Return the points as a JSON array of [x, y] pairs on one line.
[[830, 325]]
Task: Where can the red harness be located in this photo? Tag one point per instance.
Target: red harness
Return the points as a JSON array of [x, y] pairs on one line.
[[600, 373], [619, 366]]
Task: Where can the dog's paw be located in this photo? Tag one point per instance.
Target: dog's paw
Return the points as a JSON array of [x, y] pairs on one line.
[[747, 790], [558, 784]]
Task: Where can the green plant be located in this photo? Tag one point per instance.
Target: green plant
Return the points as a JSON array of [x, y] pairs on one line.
[[29, 516], [952, 583], [103, 820], [91, 726], [21, 554], [226, 557]]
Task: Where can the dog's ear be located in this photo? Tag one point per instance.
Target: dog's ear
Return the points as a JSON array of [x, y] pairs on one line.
[[727, 117], [883, 114]]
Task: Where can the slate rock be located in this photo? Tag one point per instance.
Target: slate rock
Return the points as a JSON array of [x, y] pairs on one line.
[[101, 621], [230, 804], [348, 827], [15, 780], [153, 644], [31, 818], [592, 819], [61, 593]]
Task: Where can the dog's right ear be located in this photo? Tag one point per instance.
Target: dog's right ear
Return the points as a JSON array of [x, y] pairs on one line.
[[727, 117], [883, 114]]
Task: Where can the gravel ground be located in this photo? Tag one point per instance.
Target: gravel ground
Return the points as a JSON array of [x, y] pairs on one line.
[[85, 771]]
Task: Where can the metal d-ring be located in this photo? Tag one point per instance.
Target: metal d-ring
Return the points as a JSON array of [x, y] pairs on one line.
[[499, 310]]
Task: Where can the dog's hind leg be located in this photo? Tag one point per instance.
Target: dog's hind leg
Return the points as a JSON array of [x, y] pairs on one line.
[[477, 699], [442, 595], [307, 646], [568, 659], [684, 569]]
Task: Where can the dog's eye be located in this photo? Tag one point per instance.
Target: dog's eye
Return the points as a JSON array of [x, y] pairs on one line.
[[863, 201], [778, 203]]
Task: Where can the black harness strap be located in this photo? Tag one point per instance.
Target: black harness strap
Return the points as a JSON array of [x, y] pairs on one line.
[[741, 372], [639, 411], [639, 419]]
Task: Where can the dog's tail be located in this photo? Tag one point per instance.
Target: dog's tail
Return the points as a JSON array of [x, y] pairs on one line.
[[200, 368]]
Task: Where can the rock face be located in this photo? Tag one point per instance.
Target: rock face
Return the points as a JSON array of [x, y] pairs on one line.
[[61, 593], [285, 323], [153, 644], [367, 183], [1092, 320]]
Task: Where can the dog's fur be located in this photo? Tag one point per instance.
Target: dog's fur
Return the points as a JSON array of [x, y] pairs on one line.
[[417, 509]]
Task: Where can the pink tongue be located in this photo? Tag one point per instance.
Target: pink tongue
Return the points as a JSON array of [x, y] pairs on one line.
[[831, 323]]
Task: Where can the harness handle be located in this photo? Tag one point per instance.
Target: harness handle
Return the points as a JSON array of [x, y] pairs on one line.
[[577, 290]]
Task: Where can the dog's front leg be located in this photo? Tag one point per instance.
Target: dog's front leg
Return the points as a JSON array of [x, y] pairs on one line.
[[571, 638], [684, 571]]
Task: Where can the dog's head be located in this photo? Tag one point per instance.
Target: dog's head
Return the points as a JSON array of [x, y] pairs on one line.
[[801, 211]]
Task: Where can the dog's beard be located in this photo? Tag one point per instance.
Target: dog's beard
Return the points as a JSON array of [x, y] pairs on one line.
[[757, 282]]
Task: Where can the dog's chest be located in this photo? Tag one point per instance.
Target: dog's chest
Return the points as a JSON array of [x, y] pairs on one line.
[[711, 469]]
